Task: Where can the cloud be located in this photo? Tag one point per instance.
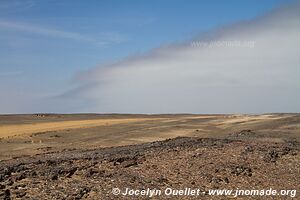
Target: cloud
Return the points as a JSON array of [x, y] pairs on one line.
[[16, 26], [102, 39], [248, 67]]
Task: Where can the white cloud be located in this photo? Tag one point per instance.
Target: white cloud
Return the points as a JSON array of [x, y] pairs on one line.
[[102, 39], [25, 27], [218, 79]]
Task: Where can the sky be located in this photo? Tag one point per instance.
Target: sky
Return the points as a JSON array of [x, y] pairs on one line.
[[168, 56]]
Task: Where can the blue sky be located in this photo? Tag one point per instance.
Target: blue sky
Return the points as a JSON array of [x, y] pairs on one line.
[[45, 44]]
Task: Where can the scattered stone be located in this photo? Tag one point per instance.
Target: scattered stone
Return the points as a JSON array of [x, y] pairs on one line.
[[90, 172], [285, 150], [173, 163], [226, 180], [54, 177], [50, 162], [33, 174], [71, 172], [244, 133], [215, 180], [5, 195], [20, 177], [81, 193], [241, 170], [20, 193], [129, 163], [271, 156], [7, 171], [248, 149]]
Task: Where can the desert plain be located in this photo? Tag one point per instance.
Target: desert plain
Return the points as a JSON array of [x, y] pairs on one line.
[[85, 156]]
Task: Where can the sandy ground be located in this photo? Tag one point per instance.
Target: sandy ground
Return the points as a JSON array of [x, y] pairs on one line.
[[21, 129], [86, 156], [23, 135]]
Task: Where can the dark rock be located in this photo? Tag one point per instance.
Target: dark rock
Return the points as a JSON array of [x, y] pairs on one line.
[[20, 194], [285, 150], [241, 170], [81, 193], [215, 180], [58, 171], [162, 179], [248, 172], [90, 172], [10, 182], [116, 163], [271, 156], [20, 177], [248, 149], [19, 167], [121, 159], [129, 163], [71, 172], [7, 171], [33, 174], [50, 162], [226, 180], [54, 177], [5, 195], [39, 162], [244, 133]]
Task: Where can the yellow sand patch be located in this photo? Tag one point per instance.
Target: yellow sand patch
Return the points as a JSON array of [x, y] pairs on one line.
[[246, 119], [11, 130]]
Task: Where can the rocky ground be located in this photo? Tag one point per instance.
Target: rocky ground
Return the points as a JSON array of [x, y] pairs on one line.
[[193, 162]]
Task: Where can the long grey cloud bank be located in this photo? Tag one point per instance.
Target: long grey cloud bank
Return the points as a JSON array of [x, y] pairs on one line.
[[249, 67]]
